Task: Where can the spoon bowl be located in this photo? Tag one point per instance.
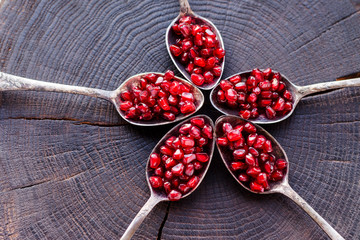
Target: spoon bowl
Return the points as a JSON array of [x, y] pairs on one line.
[[281, 186], [170, 38], [158, 195], [10, 83], [298, 92]]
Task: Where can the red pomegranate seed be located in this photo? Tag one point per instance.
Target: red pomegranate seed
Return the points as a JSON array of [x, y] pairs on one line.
[[250, 160], [260, 140], [265, 85], [166, 150], [155, 160], [239, 143], [253, 171], [238, 166], [178, 154], [287, 95], [193, 182], [221, 96], [261, 178], [183, 188], [270, 112], [208, 76], [231, 95], [124, 106], [168, 116], [198, 166], [219, 53], [217, 71], [178, 169], [159, 171], [222, 141], [167, 187], [227, 127], [235, 79], [239, 154], [206, 52], [175, 50], [168, 175], [246, 114], [288, 106], [268, 167], [240, 87], [244, 178], [210, 42], [256, 187], [200, 122], [250, 128], [252, 98], [197, 79], [256, 90], [281, 164], [279, 104], [254, 152], [185, 128], [190, 67], [267, 73], [198, 40], [198, 61], [195, 132], [268, 146], [188, 158], [189, 150], [281, 86], [202, 157], [276, 175], [188, 107], [174, 195], [234, 135], [202, 141], [187, 142], [186, 96], [259, 75], [225, 85], [207, 131], [156, 182]]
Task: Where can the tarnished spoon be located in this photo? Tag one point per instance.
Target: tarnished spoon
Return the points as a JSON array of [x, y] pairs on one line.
[[282, 186], [158, 195], [298, 92], [10, 83], [170, 38]]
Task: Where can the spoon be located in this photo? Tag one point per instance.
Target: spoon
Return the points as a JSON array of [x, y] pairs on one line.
[[157, 196], [170, 39], [298, 92], [11, 82], [282, 186]]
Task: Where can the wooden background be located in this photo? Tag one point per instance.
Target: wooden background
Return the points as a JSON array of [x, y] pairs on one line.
[[71, 168]]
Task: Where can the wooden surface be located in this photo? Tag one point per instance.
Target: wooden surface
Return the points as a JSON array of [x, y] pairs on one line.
[[71, 168]]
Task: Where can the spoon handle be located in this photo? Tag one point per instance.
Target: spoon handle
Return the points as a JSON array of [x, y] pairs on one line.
[[320, 87], [139, 218], [330, 231], [185, 7], [11, 82]]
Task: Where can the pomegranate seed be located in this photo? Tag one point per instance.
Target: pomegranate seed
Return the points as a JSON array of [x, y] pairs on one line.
[[275, 84], [210, 42], [254, 113], [256, 187], [238, 166], [217, 71], [254, 152], [222, 141], [244, 178], [250, 128], [252, 98], [202, 157], [183, 188], [231, 95], [268, 146], [155, 160], [174, 195], [279, 104], [188, 107], [198, 40], [261, 178], [253, 171], [185, 29], [159, 171], [227, 127], [288, 106], [260, 140], [185, 19], [234, 135], [188, 158], [166, 150], [225, 85], [200, 122], [202, 141], [193, 182], [198, 166], [276, 175], [178, 154], [268, 167], [198, 61], [126, 96], [168, 175], [168, 116], [259, 75], [250, 160], [124, 106], [219, 53], [156, 182], [265, 85], [167, 187], [178, 169], [206, 52], [270, 112], [281, 86], [264, 157], [281, 164], [239, 154], [287, 95], [208, 76], [221, 96], [185, 128], [175, 50], [175, 182], [195, 132], [197, 79], [207, 131], [187, 142], [239, 143], [170, 141], [267, 73], [189, 170], [240, 87]]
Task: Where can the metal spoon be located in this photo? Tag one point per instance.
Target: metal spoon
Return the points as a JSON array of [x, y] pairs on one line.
[[283, 186], [10, 83], [157, 196], [298, 92], [170, 38]]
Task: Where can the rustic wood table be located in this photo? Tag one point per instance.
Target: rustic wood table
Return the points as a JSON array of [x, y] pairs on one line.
[[71, 168]]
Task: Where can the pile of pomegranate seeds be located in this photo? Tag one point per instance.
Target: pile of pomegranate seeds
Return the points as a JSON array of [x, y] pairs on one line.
[[181, 161], [263, 93], [156, 96], [253, 163], [198, 49]]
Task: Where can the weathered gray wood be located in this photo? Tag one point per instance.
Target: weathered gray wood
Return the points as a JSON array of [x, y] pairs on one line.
[[71, 168]]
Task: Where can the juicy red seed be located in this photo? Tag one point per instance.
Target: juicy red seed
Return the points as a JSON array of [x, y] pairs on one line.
[[126, 96], [206, 52], [178, 169], [195, 132], [235, 79], [288, 106], [198, 165], [268, 167], [267, 73], [185, 19], [197, 79], [265, 85], [202, 141], [210, 33], [234, 135], [174, 195], [159, 171], [170, 141], [241, 97], [287, 95], [264, 157], [185, 128], [238, 166], [169, 116], [254, 152], [190, 67], [246, 114], [198, 40], [208, 76], [210, 42], [256, 187], [239, 143], [221, 96], [279, 104], [239, 154], [268, 146], [184, 188], [225, 85], [259, 75], [167, 187], [169, 75], [222, 141], [252, 98], [261, 178], [166, 150], [207, 131], [187, 142], [260, 140], [186, 96], [240, 86], [266, 94], [210, 62], [202, 157], [178, 154], [250, 160], [231, 95], [275, 84], [173, 100], [219, 53], [250, 128], [276, 175], [164, 104], [188, 107], [185, 29], [251, 139], [198, 61], [155, 160], [227, 127], [281, 86], [281, 164], [189, 170], [189, 150], [193, 182], [156, 182], [253, 171], [244, 178], [175, 50], [168, 175], [175, 182], [188, 158], [270, 112], [217, 71], [200, 122], [124, 106]]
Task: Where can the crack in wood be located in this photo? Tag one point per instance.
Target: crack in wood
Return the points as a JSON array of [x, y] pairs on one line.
[[75, 121], [164, 221]]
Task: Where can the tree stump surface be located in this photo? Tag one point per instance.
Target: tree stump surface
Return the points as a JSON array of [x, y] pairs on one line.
[[71, 168]]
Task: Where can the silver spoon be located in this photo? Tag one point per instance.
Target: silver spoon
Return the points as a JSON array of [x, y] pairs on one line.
[[11, 82], [298, 92], [157, 196], [282, 186], [170, 37]]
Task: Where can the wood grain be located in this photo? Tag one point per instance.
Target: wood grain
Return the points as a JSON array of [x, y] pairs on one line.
[[71, 168]]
